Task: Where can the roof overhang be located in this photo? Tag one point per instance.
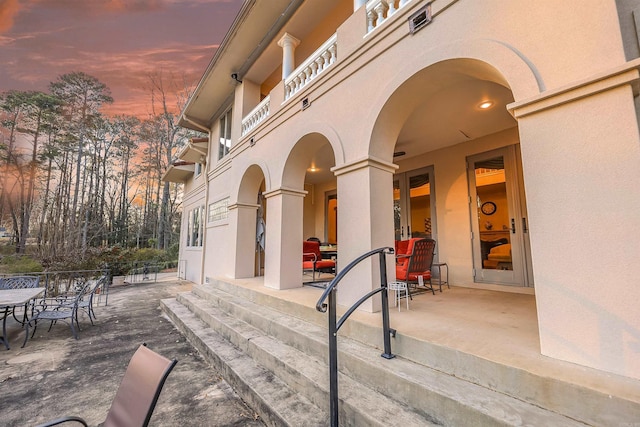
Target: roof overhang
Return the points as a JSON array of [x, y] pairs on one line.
[[196, 150], [255, 26], [179, 172]]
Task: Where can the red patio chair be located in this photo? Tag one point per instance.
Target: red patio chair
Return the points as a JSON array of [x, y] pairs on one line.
[[414, 266], [312, 259]]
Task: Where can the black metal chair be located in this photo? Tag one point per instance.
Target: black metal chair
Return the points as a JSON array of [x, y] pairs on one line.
[[86, 302], [54, 309], [138, 393], [19, 282]]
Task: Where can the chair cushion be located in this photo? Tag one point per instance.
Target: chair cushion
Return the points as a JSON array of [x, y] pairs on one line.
[[323, 263], [401, 247], [401, 274], [500, 253]]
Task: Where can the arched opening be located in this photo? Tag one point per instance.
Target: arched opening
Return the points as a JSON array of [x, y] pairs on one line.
[[448, 129], [308, 169], [251, 215]]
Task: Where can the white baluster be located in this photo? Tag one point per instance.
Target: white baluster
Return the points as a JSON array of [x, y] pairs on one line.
[[392, 7], [308, 74], [320, 62], [333, 50], [371, 19], [380, 9], [314, 68]]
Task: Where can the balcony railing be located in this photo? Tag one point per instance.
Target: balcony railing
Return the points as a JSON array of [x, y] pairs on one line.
[[379, 11], [315, 64], [256, 116]]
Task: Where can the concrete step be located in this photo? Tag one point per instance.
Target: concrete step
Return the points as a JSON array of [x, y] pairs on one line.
[[598, 399], [371, 388], [275, 402], [306, 374]]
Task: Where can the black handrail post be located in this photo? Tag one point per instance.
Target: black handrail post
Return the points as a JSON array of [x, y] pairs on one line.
[[333, 359], [386, 333]]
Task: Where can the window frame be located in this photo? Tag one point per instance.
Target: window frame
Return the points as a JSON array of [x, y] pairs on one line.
[[224, 138]]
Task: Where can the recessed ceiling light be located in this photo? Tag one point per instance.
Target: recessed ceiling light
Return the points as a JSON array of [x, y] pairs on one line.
[[312, 169], [484, 105]]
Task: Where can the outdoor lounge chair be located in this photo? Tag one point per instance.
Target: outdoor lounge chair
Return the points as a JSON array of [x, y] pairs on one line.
[[137, 394]]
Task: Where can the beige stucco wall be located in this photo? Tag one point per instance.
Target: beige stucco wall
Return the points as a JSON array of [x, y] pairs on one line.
[[580, 159]]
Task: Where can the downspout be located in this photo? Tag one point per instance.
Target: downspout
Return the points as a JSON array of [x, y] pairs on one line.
[[205, 214]]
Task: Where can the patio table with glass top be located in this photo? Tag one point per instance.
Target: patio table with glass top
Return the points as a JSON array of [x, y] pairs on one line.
[[12, 298]]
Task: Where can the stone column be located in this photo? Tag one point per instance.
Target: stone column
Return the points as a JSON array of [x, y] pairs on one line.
[[580, 152], [283, 260], [365, 222], [288, 43]]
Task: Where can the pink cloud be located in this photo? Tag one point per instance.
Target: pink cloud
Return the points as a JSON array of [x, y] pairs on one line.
[[120, 42], [8, 10]]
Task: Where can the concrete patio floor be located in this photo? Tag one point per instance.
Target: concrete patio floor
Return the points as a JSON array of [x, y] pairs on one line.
[[55, 375]]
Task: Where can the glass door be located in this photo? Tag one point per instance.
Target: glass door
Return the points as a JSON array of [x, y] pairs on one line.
[[498, 219], [413, 204]]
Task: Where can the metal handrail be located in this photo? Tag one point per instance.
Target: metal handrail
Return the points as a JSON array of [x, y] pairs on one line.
[[334, 324]]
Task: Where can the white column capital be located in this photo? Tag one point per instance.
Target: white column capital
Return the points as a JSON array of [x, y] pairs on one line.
[[288, 40]]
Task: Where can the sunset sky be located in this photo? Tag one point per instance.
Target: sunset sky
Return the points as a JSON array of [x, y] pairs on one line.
[[120, 42]]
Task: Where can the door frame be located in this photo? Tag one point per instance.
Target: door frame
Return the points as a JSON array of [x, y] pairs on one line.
[[520, 275], [403, 179]]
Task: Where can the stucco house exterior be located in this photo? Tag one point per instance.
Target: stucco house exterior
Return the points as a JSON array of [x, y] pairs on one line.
[[366, 122]]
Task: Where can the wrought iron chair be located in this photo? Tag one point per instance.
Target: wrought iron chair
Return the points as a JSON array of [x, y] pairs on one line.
[[414, 267], [312, 259], [86, 302], [138, 393], [54, 309], [19, 282]]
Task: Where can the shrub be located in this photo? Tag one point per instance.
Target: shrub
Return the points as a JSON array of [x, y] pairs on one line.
[[20, 264]]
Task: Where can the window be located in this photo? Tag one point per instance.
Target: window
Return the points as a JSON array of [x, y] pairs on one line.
[[225, 135], [198, 170], [194, 227], [219, 210]]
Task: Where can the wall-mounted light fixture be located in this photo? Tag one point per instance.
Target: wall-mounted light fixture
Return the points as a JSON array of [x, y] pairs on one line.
[[234, 76]]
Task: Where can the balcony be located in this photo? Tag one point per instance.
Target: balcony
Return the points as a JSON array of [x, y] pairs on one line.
[[378, 11], [312, 67], [256, 116]]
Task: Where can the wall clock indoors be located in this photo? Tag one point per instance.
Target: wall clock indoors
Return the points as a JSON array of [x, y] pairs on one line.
[[488, 208]]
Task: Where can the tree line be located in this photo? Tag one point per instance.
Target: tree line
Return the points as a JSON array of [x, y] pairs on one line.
[[72, 178]]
